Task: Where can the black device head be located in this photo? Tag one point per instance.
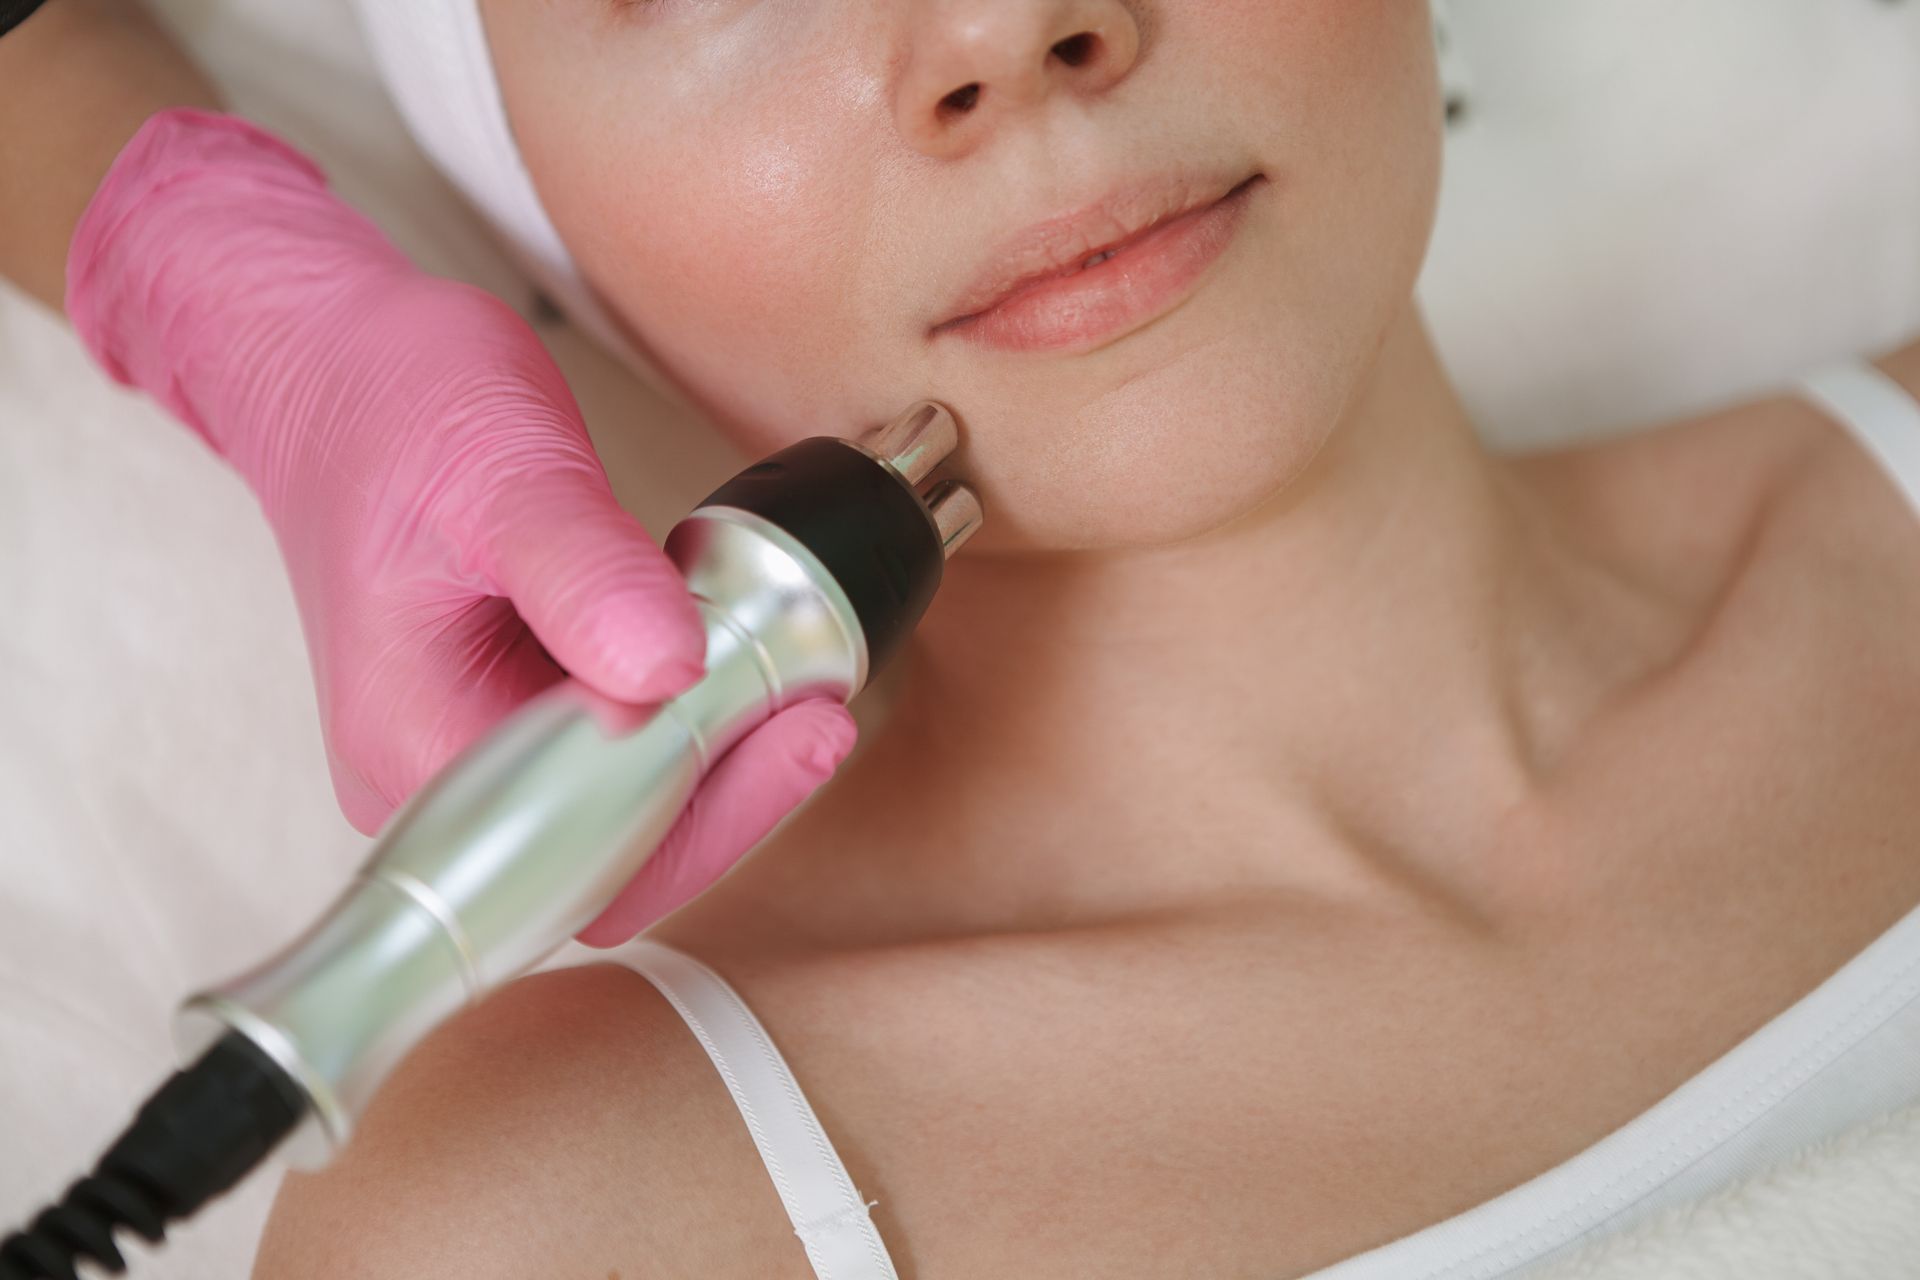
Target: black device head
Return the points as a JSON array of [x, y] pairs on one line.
[[853, 504]]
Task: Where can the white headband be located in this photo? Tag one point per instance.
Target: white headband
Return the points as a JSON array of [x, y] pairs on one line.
[[433, 56]]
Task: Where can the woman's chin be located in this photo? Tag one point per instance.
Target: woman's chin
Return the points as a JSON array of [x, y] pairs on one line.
[[1145, 469], [1130, 513]]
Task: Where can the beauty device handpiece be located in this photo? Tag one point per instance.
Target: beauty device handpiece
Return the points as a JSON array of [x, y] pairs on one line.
[[810, 568]]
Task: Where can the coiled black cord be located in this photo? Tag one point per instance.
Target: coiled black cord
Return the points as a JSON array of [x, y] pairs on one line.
[[200, 1133]]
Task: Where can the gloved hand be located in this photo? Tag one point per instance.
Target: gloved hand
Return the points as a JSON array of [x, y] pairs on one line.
[[451, 537]]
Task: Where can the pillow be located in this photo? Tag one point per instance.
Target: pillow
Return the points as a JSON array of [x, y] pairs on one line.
[[1652, 208]]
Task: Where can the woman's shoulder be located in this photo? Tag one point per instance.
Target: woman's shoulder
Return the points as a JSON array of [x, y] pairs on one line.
[[570, 1125], [1772, 483]]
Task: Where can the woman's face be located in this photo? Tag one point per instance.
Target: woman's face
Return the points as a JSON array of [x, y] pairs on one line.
[[795, 205]]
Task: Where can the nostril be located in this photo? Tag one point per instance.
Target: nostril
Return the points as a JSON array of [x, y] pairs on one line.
[[1075, 50], [961, 100]]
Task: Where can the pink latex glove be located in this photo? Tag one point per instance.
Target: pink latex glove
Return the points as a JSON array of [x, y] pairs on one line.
[[450, 534]]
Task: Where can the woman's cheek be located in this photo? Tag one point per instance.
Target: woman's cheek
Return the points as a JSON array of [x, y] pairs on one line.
[[735, 275], [1301, 33]]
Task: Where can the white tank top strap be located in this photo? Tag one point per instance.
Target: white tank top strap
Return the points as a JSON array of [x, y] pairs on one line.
[[1882, 415], [827, 1213]]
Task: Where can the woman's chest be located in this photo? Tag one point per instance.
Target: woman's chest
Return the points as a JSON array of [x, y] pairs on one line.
[[1274, 1091], [1289, 1082], [1317, 1104]]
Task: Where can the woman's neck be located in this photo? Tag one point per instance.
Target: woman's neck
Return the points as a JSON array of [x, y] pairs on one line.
[[1347, 687]]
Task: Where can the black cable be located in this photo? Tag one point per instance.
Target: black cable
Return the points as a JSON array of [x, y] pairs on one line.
[[200, 1133], [15, 12]]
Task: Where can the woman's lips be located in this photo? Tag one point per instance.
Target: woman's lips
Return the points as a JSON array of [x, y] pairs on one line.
[[1146, 276]]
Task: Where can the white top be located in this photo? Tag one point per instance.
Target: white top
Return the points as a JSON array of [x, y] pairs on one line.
[[1845, 1053], [828, 1215]]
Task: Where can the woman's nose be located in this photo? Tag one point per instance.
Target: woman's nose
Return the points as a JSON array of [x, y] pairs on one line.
[[974, 63]]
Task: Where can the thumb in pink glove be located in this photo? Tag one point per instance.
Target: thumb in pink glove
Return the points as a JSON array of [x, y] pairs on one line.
[[451, 538]]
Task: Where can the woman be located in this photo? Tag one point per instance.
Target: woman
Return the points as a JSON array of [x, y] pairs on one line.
[[1295, 826]]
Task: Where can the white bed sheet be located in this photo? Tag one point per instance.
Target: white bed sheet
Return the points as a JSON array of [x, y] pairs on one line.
[[1652, 207]]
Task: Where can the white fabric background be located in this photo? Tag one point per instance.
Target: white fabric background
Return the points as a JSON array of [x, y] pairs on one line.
[[1653, 205]]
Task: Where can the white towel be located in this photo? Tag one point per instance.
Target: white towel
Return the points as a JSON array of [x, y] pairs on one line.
[[1849, 1207]]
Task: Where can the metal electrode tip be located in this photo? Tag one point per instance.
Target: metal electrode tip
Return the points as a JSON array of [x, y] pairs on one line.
[[915, 442], [956, 514]]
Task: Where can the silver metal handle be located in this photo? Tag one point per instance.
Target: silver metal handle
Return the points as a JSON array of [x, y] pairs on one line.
[[525, 838], [522, 841]]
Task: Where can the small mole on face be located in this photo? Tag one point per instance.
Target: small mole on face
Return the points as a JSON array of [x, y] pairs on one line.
[[613, 1275]]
